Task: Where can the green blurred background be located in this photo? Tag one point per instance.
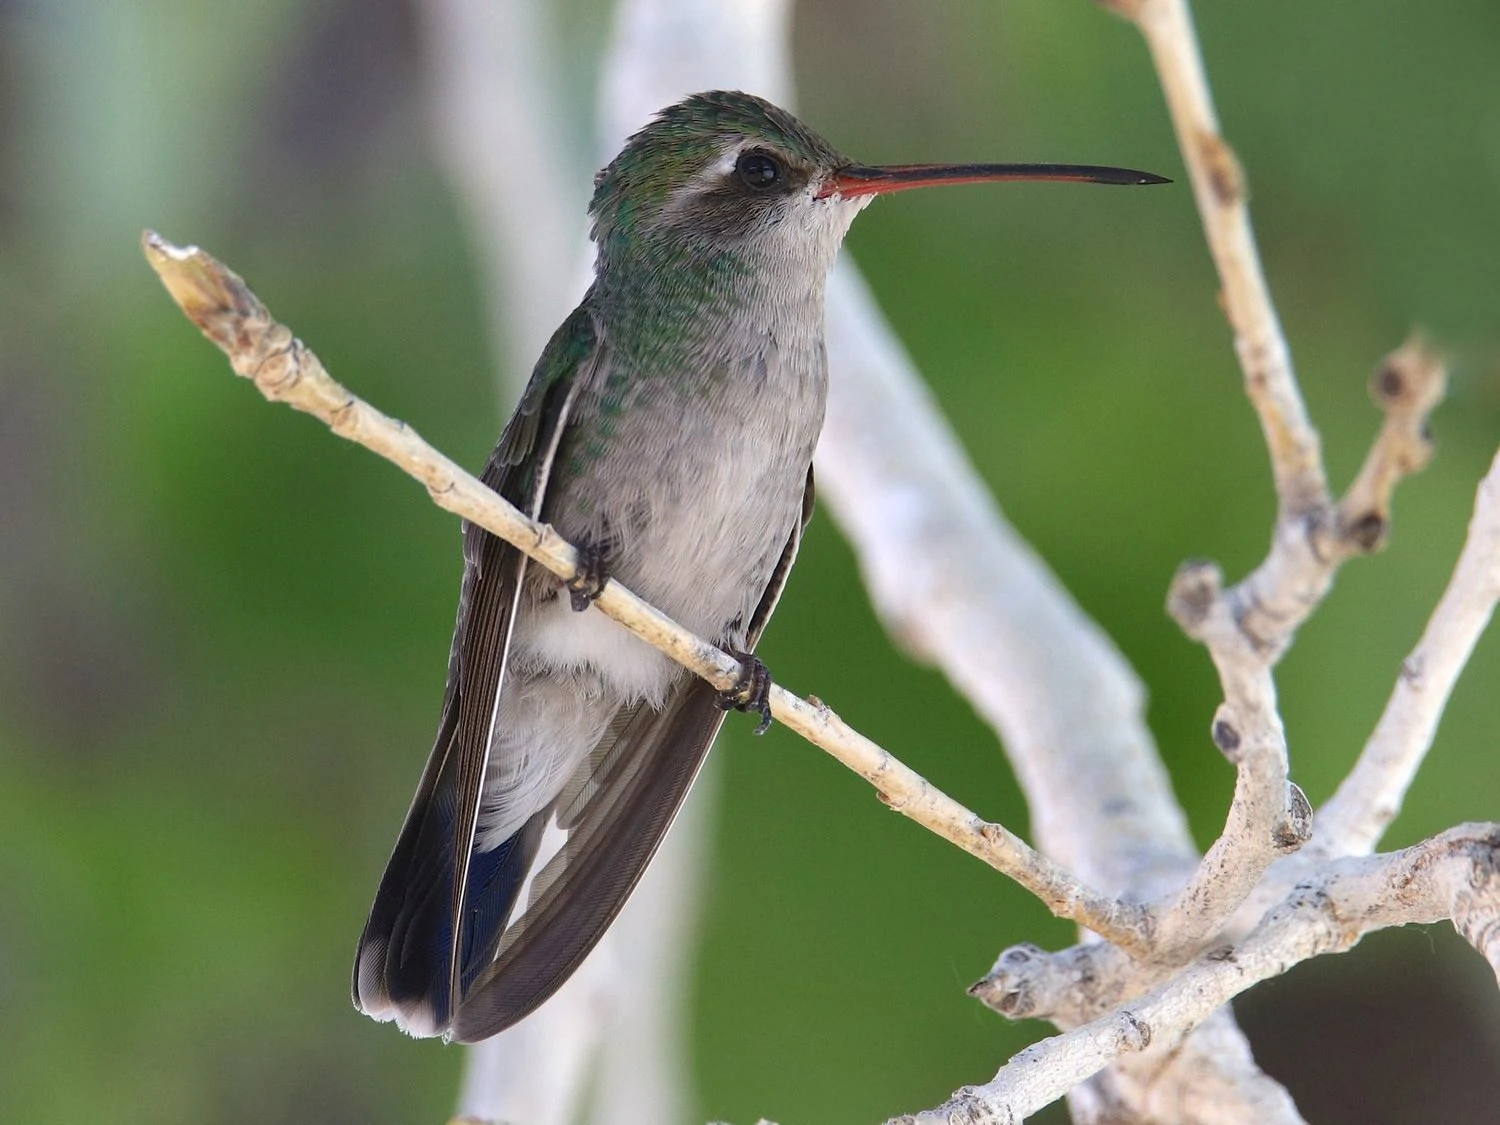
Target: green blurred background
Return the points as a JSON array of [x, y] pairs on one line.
[[223, 632]]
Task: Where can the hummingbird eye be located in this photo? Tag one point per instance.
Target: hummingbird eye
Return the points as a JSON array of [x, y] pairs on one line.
[[758, 170]]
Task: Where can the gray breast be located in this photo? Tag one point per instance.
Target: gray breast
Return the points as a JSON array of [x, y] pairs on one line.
[[697, 472]]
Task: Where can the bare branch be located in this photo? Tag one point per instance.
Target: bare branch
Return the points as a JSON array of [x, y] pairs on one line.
[[285, 370], [1248, 627], [1267, 817], [1087, 979], [1356, 816], [1263, 819], [1216, 1082]]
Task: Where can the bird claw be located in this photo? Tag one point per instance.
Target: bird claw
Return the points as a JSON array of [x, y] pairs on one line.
[[751, 692], [585, 587]]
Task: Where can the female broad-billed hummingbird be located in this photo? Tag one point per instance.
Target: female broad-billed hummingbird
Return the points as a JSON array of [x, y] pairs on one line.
[[668, 431]]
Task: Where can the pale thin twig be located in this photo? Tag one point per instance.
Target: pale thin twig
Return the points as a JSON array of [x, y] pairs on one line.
[[1245, 629], [285, 370], [1352, 821], [1312, 537], [1407, 386]]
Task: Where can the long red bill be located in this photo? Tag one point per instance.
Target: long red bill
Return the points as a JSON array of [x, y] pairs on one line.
[[856, 180]]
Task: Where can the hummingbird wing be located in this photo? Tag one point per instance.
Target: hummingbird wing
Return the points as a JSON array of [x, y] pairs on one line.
[[408, 963], [615, 812]]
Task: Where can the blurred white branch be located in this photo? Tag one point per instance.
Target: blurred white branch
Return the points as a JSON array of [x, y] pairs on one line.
[[498, 119]]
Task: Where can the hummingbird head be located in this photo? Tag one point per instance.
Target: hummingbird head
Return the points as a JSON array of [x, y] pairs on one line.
[[726, 172], [729, 173]]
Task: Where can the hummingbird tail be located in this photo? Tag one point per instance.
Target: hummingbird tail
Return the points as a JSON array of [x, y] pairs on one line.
[[608, 824], [535, 905]]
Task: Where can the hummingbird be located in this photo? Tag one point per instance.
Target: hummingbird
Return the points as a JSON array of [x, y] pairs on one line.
[[667, 431]]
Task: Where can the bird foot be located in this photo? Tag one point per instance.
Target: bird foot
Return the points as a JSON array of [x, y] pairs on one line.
[[751, 692], [585, 587]]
